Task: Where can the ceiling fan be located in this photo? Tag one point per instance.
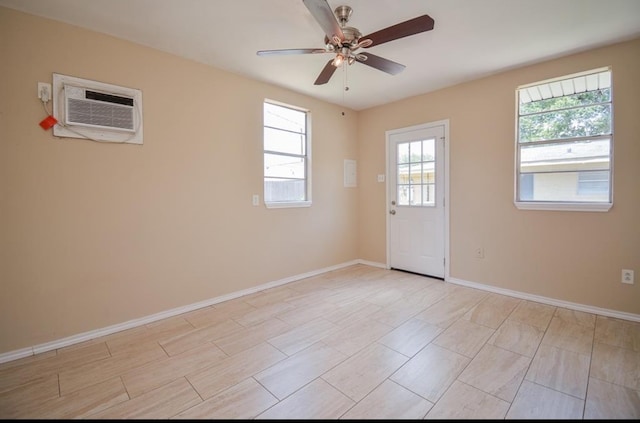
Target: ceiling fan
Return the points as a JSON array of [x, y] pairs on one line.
[[345, 41]]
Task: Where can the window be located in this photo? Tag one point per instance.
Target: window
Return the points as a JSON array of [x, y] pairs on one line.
[[565, 143], [286, 156], [593, 183], [416, 174]]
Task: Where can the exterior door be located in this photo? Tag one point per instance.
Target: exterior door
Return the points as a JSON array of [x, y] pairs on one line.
[[416, 219]]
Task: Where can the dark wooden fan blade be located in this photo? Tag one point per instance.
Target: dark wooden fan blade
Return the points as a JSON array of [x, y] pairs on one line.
[[404, 29], [326, 74], [323, 14], [380, 63], [291, 51]]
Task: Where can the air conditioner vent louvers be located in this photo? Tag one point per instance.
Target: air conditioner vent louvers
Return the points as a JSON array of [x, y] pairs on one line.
[[100, 114]]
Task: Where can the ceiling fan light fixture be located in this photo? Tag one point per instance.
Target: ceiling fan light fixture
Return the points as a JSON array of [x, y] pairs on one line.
[[338, 60]]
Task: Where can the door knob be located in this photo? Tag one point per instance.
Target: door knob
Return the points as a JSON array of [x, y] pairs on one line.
[[392, 212]]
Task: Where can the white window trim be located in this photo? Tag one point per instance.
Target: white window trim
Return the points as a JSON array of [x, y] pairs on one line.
[[287, 204], [560, 206], [293, 204]]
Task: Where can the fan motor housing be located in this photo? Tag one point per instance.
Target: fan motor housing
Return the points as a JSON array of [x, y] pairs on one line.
[[351, 36]]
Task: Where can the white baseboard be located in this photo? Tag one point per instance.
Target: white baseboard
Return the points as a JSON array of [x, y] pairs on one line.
[[76, 339], [550, 301], [372, 263]]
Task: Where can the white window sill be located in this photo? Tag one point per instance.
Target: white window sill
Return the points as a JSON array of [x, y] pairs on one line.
[[286, 205], [588, 207]]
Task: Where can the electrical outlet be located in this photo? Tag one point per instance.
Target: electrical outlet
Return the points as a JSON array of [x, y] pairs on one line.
[[627, 276], [44, 91], [479, 253], [256, 200]]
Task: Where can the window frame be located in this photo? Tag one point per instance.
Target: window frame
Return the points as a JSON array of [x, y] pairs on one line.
[[409, 164], [595, 206], [307, 158]]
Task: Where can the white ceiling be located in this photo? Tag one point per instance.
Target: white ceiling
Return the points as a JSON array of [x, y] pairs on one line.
[[471, 38]]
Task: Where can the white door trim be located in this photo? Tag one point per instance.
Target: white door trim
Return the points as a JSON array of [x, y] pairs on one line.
[[388, 134]]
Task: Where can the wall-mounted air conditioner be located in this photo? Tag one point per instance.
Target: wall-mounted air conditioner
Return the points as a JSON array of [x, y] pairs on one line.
[[96, 111]]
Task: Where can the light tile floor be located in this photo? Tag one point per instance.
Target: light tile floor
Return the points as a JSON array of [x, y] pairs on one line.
[[355, 343]]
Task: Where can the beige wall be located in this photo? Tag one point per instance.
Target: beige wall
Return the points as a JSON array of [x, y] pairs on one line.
[[569, 256], [96, 234]]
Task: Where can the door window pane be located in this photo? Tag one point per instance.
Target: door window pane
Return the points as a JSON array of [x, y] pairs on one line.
[[415, 151], [403, 153], [403, 195], [403, 174], [416, 173], [428, 194], [428, 150]]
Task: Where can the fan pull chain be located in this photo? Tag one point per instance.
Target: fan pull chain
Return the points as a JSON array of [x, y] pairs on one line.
[[345, 83], [346, 80]]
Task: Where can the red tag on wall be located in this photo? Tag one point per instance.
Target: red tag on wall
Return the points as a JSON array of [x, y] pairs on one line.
[[48, 122]]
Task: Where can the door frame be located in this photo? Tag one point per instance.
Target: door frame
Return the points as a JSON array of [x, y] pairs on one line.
[[388, 134]]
